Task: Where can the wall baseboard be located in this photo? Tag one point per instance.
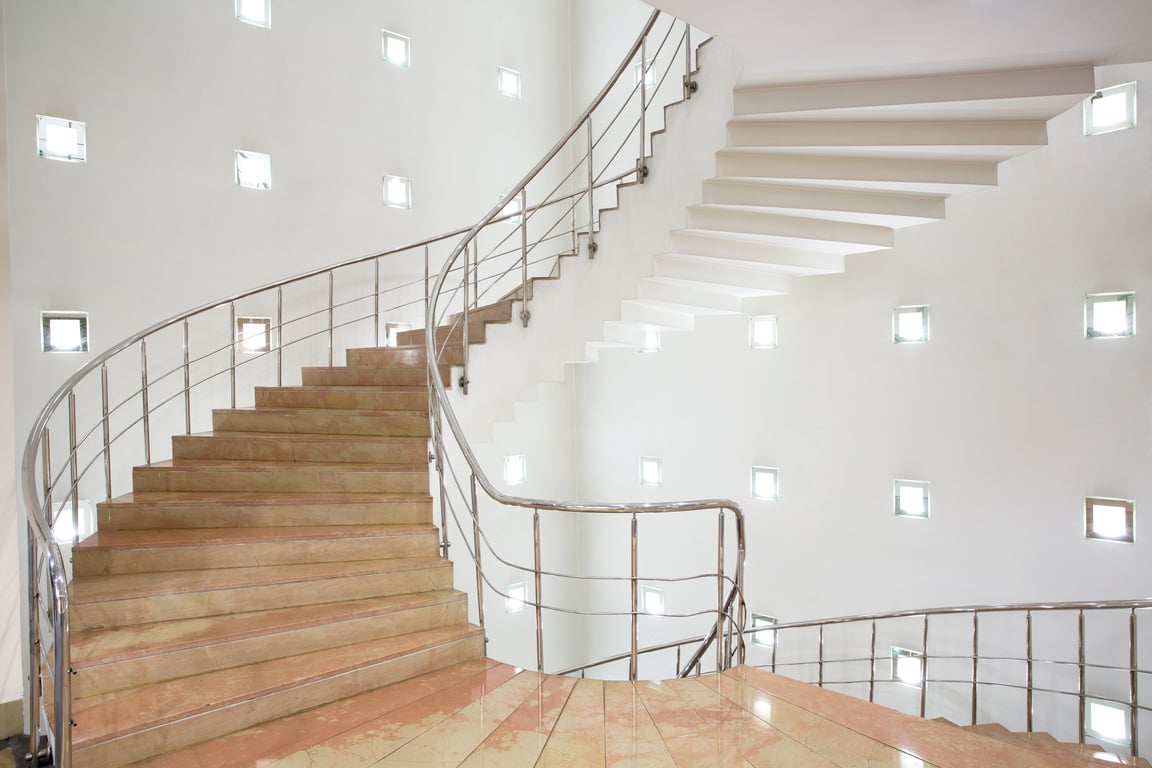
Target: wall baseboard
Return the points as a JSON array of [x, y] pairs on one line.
[[11, 718]]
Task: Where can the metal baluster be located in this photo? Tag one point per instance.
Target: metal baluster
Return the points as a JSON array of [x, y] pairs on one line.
[[476, 551], [476, 271], [447, 340], [331, 317], [635, 603], [376, 305], [73, 476], [144, 401], [444, 543], [64, 672], [539, 609], [187, 385], [1028, 669], [591, 191], [741, 614], [280, 336], [720, 649], [107, 432], [427, 277], [820, 658], [1133, 690], [524, 313], [232, 349], [690, 85], [775, 644], [975, 659], [872, 665], [641, 169], [35, 681], [924, 669], [1080, 656]]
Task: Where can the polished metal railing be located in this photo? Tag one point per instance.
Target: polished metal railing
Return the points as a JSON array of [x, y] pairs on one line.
[[1019, 661], [118, 410], [581, 152]]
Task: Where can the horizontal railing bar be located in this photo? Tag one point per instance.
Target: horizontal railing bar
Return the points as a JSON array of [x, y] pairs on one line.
[[626, 655], [965, 609]]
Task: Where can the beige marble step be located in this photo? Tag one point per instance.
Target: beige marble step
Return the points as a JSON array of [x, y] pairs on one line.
[[344, 398], [144, 598], [500, 312], [370, 376], [477, 334], [318, 421], [285, 446], [280, 476], [126, 726], [182, 549], [215, 509], [129, 657], [1049, 745], [453, 354]]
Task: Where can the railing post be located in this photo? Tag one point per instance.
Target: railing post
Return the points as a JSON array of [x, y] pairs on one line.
[[820, 658], [187, 384], [331, 317], [690, 85], [872, 665], [444, 543], [73, 476], [641, 168], [632, 659], [775, 645], [476, 554], [64, 672], [107, 432], [475, 271], [1080, 684], [924, 669], [591, 194], [376, 303], [464, 330], [427, 277], [232, 349], [720, 647], [536, 572], [35, 681], [975, 660], [524, 313], [1028, 670], [144, 401], [1133, 689], [279, 336]]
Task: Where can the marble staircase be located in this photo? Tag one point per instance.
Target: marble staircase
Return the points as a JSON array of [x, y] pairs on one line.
[[284, 561]]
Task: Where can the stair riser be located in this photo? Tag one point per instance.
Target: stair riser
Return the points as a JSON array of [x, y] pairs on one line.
[[388, 424], [827, 199], [279, 480], [721, 271], [641, 313], [882, 134], [406, 376], [684, 294], [367, 450], [406, 356], [788, 226], [183, 558], [342, 399], [783, 260], [476, 335], [881, 169], [227, 719], [494, 313], [127, 517], [132, 673], [215, 602]]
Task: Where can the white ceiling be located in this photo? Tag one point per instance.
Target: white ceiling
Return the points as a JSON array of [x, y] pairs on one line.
[[833, 39]]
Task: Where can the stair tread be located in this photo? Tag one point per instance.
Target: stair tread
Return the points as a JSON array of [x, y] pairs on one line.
[[717, 288], [93, 589], [106, 716], [303, 437], [269, 466], [671, 306], [199, 537], [373, 413], [241, 498], [792, 242], [106, 646]]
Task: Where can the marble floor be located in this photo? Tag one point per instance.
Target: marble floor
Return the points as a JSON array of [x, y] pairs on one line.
[[483, 713]]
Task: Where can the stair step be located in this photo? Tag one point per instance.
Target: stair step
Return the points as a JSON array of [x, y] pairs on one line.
[[370, 376], [450, 334], [145, 598], [129, 657], [287, 446], [499, 312], [760, 250], [181, 549], [773, 164], [593, 349], [280, 476], [731, 298], [126, 726], [887, 133], [706, 269], [843, 204], [319, 421], [754, 221], [665, 313], [635, 334], [453, 354], [344, 398], [929, 89], [204, 509]]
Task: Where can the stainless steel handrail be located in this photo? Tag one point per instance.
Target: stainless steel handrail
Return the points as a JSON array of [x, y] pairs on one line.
[[442, 409], [1083, 663]]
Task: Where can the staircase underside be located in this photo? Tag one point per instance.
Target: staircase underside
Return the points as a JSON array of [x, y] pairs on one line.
[[482, 713]]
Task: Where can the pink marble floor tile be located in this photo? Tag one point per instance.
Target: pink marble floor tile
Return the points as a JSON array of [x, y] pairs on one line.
[[578, 738], [519, 740], [630, 737]]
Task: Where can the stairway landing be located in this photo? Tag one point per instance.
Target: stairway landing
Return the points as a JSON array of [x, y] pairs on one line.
[[483, 713]]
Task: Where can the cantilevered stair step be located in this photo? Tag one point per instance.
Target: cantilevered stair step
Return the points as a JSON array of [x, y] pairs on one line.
[[770, 164], [926, 89], [759, 249], [451, 334], [280, 477], [732, 298], [165, 549], [452, 354], [126, 726], [370, 376], [886, 133], [216, 509], [145, 598], [286, 446], [414, 399], [665, 313], [130, 657], [752, 220], [639, 335], [318, 421], [722, 271], [844, 204]]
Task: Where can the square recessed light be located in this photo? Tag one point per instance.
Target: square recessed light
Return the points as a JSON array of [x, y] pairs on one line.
[[1109, 315], [646, 72], [762, 332], [1106, 720], [907, 666], [517, 596], [513, 208], [1110, 109], [766, 483], [650, 471], [396, 49], [398, 191], [253, 169], [64, 331], [253, 334], [651, 600], [651, 340], [910, 324], [392, 333], [258, 13], [515, 469], [911, 498], [764, 637], [1109, 519], [60, 139], [508, 82]]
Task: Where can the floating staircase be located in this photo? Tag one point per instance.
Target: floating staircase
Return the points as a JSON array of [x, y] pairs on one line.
[[284, 561], [1045, 743]]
